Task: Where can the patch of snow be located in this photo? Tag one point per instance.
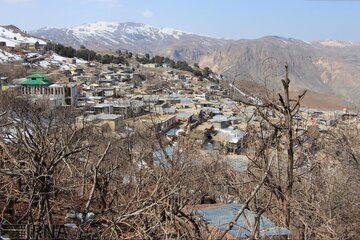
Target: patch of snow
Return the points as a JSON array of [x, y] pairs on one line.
[[9, 42], [93, 29], [110, 33], [81, 61], [13, 38], [171, 32], [44, 64], [65, 67], [59, 58], [32, 55], [8, 57], [334, 43]]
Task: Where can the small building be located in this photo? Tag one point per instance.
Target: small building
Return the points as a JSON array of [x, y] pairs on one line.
[[129, 108], [112, 76], [347, 116], [160, 123], [106, 82], [184, 117], [103, 108], [220, 121], [234, 141], [203, 132], [151, 99], [174, 133], [113, 121], [39, 87], [152, 65], [78, 71], [107, 92]]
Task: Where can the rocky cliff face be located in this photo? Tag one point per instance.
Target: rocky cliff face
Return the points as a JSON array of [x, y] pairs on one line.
[[312, 66]]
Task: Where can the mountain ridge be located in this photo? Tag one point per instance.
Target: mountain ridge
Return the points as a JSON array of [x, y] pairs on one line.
[[326, 66]]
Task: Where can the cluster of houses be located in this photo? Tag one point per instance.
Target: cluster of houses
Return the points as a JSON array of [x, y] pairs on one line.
[[177, 103], [173, 104], [206, 113]]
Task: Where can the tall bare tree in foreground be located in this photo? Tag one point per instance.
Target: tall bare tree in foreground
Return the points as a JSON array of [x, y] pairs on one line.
[[299, 181]]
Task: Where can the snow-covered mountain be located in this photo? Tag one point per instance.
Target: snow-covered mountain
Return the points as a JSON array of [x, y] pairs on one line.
[[112, 33], [13, 36], [136, 37], [337, 43], [328, 66]]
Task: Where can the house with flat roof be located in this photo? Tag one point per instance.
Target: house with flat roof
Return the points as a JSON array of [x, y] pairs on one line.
[[113, 121], [129, 107], [37, 86], [103, 108], [160, 123]]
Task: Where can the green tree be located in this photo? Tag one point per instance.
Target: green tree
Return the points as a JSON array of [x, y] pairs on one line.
[[37, 45], [197, 73], [207, 71], [183, 65], [107, 59], [158, 60]]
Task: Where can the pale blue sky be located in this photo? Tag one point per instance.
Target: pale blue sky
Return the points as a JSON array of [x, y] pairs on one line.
[[307, 20]]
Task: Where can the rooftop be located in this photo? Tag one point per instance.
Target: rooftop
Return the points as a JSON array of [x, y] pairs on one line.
[[221, 215], [184, 115], [36, 79], [102, 116]]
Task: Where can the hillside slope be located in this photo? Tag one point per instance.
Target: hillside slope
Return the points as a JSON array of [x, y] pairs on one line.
[[136, 37], [327, 66], [311, 67]]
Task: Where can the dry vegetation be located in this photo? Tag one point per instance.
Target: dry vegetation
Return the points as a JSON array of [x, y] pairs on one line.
[[306, 181], [13, 70]]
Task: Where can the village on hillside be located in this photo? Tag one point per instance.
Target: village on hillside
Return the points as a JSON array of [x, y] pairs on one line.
[[120, 99]]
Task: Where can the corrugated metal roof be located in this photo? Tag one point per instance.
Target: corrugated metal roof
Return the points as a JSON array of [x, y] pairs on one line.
[[221, 215]]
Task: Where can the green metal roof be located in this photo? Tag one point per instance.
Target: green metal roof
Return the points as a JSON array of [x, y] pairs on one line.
[[36, 79]]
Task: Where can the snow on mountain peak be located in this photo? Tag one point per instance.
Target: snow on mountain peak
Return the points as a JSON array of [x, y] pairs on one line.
[[94, 28], [128, 31], [132, 36], [335, 43], [172, 32]]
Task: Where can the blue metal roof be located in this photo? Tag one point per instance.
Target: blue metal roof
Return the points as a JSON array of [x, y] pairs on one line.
[[221, 215], [173, 132], [160, 156]]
